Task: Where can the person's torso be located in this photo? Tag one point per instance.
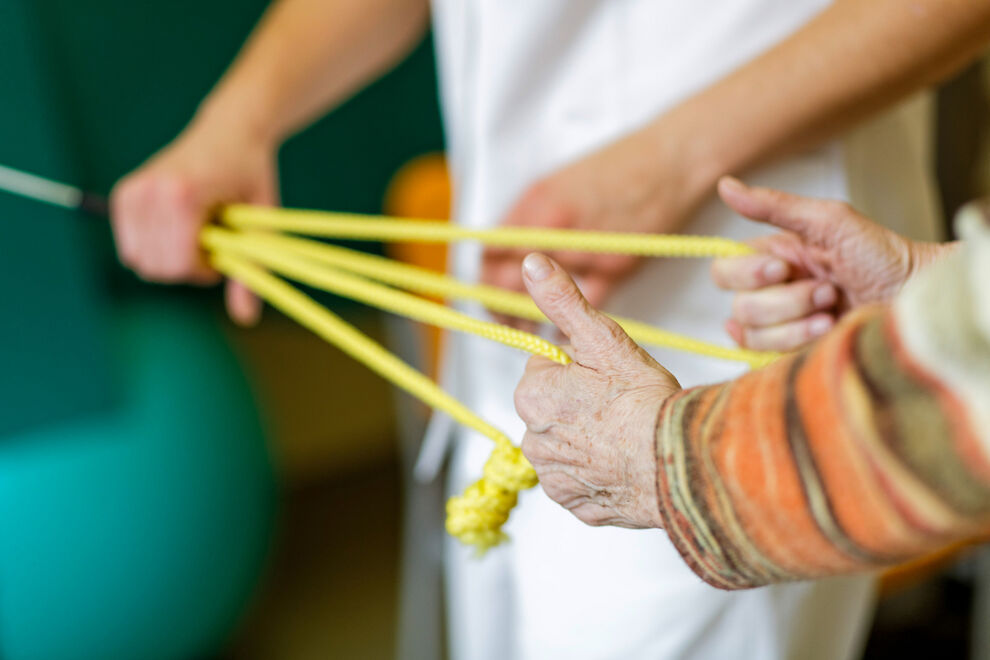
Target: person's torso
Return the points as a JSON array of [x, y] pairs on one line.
[[528, 87]]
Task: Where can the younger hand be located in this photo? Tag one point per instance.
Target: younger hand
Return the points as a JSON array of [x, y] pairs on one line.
[[624, 187], [591, 424], [158, 210], [829, 260]]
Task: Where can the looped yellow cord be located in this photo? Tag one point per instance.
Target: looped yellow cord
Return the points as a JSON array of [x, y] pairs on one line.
[[477, 516]]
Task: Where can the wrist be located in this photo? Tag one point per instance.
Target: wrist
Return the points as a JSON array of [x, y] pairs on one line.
[[923, 254], [686, 149], [242, 119]]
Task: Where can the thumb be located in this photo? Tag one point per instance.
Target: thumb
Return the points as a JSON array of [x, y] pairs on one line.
[[805, 216], [595, 338]]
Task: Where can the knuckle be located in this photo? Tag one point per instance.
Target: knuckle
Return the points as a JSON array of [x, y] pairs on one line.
[[524, 402], [173, 188], [531, 447], [119, 197], [753, 338], [177, 195], [612, 332], [173, 270], [125, 200], [128, 256]]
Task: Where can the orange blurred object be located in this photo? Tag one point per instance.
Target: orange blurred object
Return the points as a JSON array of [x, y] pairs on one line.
[[422, 189]]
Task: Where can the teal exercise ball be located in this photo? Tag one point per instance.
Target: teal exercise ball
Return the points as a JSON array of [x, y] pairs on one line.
[[139, 532]]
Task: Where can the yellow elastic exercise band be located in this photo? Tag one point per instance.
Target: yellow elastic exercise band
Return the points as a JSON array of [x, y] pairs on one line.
[[477, 516]]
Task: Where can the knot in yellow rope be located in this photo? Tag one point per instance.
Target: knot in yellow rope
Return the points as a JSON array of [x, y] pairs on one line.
[[476, 517]]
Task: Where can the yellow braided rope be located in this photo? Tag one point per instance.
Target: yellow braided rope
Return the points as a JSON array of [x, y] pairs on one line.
[[421, 280], [378, 228], [397, 302], [477, 516]]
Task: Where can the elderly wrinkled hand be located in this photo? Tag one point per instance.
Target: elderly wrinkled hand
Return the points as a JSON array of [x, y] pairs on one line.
[[591, 424], [829, 260]]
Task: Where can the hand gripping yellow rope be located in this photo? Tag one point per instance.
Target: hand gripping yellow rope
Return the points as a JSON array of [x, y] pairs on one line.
[[477, 516]]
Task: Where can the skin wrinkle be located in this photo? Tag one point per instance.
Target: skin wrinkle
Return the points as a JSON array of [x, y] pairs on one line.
[[622, 402]]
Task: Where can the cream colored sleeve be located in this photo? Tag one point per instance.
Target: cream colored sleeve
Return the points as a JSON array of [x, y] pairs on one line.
[[944, 317]]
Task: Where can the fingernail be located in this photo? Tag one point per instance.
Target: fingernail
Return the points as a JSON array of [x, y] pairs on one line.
[[820, 325], [775, 270], [823, 296], [732, 183], [537, 267]]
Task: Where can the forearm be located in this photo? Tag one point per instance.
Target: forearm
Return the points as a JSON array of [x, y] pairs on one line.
[[868, 449], [304, 57], [852, 60]]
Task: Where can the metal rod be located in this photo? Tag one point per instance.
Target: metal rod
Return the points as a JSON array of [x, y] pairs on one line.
[[41, 189]]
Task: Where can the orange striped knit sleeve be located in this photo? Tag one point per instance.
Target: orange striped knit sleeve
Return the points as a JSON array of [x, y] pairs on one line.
[[867, 449]]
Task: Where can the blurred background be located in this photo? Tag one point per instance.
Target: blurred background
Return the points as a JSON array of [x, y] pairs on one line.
[[174, 487]]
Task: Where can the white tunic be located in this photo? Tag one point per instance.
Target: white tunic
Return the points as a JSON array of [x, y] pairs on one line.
[[528, 86]]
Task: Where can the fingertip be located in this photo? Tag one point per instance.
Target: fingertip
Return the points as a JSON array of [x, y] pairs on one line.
[[554, 292], [537, 267], [824, 296], [243, 306], [775, 271], [749, 272], [820, 324]]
